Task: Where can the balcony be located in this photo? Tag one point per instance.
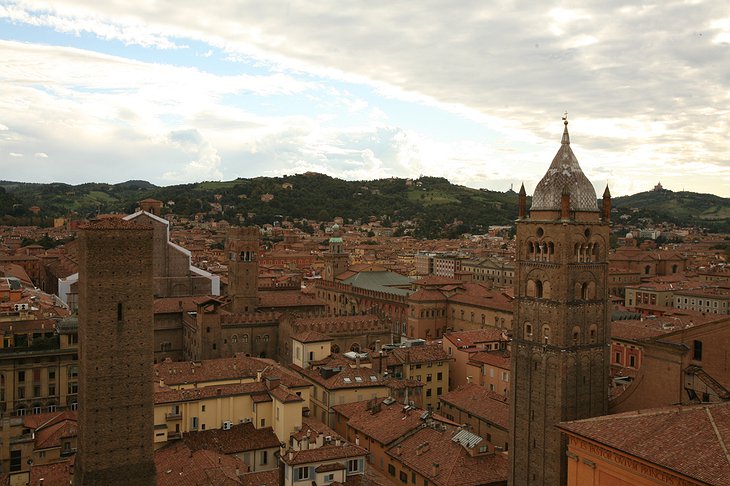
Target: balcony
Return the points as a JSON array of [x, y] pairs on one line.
[[174, 435], [173, 416]]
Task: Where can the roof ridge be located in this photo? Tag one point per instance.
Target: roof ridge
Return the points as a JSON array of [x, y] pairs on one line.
[[717, 434]]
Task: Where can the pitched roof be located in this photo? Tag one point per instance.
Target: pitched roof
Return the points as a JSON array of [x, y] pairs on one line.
[[475, 337], [327, 452], [177, 465], [480, 402], [690, 440], [383, 422], [240, 438], [456, 467]]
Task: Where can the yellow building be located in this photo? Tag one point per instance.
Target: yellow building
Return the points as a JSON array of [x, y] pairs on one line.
[[38, 374], [348, 378], [427, 364], [221, 393]]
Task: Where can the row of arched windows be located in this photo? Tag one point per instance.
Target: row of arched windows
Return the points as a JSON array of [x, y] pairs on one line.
[[586, 252], [546, 336], [540, 251]]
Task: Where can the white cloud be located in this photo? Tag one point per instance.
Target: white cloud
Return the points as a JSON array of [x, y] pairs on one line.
[[41, 155], [646, 85]]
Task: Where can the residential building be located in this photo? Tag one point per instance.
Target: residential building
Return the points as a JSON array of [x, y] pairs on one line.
[[461, 346], [482, 411]]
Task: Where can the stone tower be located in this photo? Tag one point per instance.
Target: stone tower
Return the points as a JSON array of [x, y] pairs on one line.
[[116, 409], [560, 333], [335, 259], [243, 268]]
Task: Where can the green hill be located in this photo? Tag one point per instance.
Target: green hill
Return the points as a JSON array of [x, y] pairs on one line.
[[433, 204], [681, 208]]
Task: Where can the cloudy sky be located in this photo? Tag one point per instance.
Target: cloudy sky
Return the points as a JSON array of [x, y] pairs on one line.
[[182, 91]]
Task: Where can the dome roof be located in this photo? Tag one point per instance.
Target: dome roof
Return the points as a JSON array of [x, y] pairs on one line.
[[564, 174]]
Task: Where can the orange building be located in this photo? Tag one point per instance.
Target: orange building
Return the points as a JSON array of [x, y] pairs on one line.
[[682, 445]]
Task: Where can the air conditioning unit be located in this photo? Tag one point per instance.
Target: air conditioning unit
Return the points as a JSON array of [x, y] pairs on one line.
[[227, 425], [247, 421], [328, 439]]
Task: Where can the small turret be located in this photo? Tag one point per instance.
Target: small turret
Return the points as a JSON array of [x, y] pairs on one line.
[[522, 202], [606, 208]]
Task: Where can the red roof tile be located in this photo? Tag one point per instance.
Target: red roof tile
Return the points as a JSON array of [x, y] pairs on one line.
[[690, 440]]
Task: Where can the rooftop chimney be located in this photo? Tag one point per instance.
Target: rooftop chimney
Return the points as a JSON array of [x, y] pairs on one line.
[[434, 469]]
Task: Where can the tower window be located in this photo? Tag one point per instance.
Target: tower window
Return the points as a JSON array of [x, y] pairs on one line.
[[697, 350], [120, 316]]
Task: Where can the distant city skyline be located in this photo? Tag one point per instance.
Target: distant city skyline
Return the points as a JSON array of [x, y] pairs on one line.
[[177, 92]]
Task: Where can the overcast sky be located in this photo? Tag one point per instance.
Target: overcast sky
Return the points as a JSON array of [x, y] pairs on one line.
[[184, 91]]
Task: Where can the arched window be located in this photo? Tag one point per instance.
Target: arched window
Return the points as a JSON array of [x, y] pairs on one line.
[[674, 268], [546, 334], [266, 338], [355, 347], [528, 330], [334, 348], [647, 269], [73, 371], [592, 333], [576, 335], [244, 338], [234, 339], [584, 291], [538, 289], [530, 291]]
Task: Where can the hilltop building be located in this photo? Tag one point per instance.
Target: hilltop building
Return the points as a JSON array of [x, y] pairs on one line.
[[561, 334]]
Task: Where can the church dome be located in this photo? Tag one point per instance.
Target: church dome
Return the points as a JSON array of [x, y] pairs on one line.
[[564, 174]]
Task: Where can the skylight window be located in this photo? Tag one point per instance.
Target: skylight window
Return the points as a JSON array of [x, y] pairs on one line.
[[358, 379], [347, 380]]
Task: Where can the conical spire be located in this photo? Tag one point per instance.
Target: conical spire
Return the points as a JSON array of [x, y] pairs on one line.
[[606, 193], [563, 172]]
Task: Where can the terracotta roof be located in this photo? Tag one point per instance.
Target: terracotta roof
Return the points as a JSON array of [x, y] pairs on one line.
[[284, 396], [240, 438], [177, 465], [475, 337], [171, 395], [420, 354], [169, 305], [261, 478], [456, 467], [309, 336], [237, 368], [383, 423], [480, 402], [500, 359], [690, 440], [51, 436], [327, 452], [287, 298]]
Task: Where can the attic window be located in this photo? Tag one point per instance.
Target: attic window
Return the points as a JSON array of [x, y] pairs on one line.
[[373, 378], [347, 380], [358, 379]]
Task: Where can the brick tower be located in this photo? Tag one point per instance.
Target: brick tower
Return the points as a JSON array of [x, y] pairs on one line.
[[335, 259], [116, 409], [560, 333], [243, 268]]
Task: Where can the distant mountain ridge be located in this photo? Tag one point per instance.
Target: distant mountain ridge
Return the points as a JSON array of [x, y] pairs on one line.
[[434, 205]]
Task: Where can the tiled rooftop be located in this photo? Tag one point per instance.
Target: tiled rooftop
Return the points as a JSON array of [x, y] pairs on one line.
[[240, 438], [480, 402], [691, 440]]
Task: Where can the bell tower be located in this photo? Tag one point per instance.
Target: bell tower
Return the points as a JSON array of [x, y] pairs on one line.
[[335, 259], [560, 347], [242, 249]]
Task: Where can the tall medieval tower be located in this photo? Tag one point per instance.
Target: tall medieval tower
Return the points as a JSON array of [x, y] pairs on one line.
[[561, 333], [116, 409], [242, 248], [335, 259]]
